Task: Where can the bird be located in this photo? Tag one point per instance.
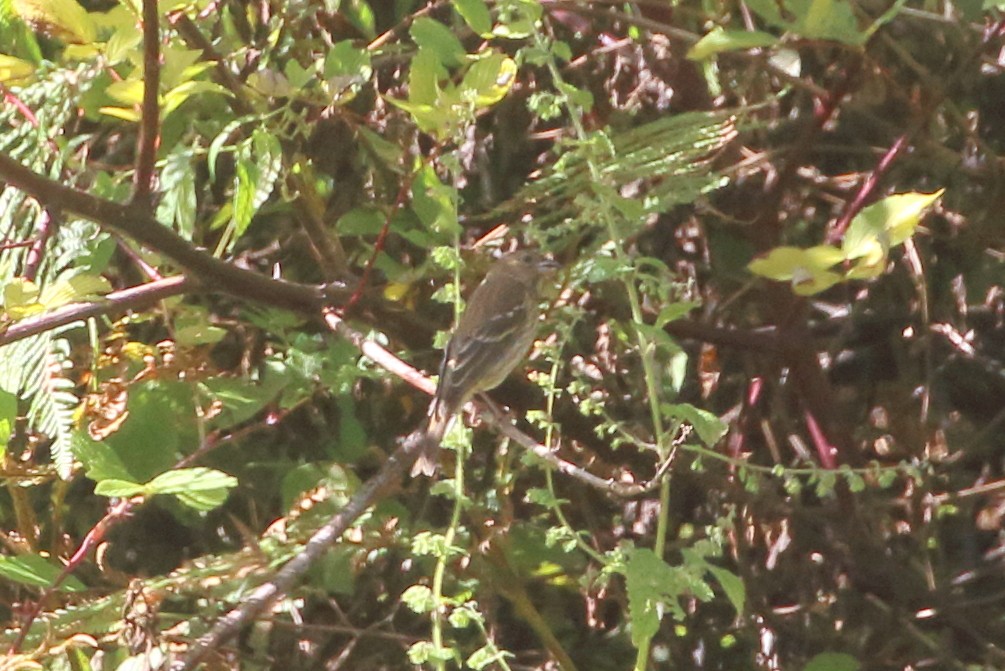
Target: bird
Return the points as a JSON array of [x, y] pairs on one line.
[[491, 338]]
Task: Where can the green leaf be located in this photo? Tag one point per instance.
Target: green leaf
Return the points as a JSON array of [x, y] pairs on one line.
[[419, 599], [720, 40], [435, 203], [731, 584], [99, 459], [651, 583], [241, 398], [344, 59], [242, 208], [127, 91], [434, 37], [179, 94], [364, 220], [8, 416], [812, 19], [66, 20], [13, 70], [807, 269], [832, 661], [120, 488], [193, 327], [708, 427], [162, 416], [20, 298], [488, 80], [544, 497], [890, 221], [80, 287], [186, 480], [476, 14], [36, 571], [178, 198]]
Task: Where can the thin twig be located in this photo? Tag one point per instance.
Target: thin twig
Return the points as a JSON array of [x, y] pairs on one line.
[[146, 156], [290, 574], [115, 302]]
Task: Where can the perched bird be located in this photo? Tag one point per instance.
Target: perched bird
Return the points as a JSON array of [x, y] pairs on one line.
[[491, 338]]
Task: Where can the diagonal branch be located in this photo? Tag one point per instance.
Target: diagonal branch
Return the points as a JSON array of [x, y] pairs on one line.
[[115, 302], [136, 223]]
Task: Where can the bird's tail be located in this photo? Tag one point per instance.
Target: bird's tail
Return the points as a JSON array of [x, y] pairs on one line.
[[430, 438]]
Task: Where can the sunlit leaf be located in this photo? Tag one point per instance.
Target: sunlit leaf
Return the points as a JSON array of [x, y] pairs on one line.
[[13, 70], [128, 91], [21, 298], [488, 80], [720, 40], [435, 38], [124, 113], [74, 289], [8, 415], [65, 20], [476, 14], [807, 269]]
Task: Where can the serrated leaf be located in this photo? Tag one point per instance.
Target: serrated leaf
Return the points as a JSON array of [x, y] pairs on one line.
[[178, 200], [434, 202], [182, 480], [418, 598], [708, 426], [650, 583], [119, 488], [99, 459]]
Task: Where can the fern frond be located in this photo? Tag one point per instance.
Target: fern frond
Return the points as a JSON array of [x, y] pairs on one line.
[[54, 405], [662, 164]]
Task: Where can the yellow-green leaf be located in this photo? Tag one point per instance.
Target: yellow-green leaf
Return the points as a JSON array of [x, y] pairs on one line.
[[20, 298], [65, 20], [124, 113], [720, 40], [13, 70], [886, 224], [785, 263], [489, 79], [807, 269], [74, 289], [127, 92]]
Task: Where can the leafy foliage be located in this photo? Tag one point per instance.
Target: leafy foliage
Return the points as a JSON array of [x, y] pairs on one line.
[[719, 454]]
